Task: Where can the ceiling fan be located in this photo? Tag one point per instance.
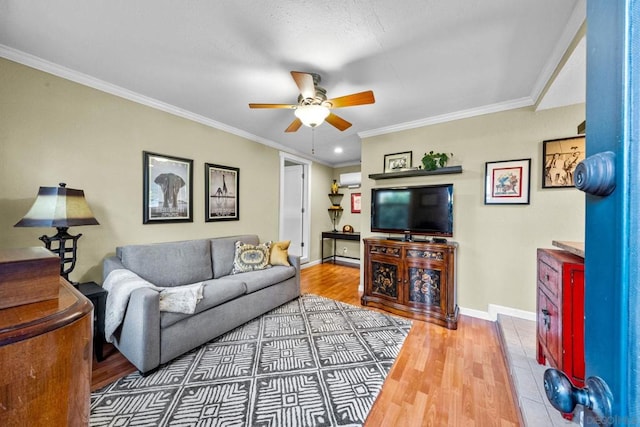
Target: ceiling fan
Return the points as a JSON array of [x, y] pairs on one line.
[[313, 107]]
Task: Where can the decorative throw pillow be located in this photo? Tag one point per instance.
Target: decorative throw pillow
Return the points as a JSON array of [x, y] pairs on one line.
[[279, 253], [250, 257]]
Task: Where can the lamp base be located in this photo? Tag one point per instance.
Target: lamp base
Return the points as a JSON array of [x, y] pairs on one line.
[[62, 249]]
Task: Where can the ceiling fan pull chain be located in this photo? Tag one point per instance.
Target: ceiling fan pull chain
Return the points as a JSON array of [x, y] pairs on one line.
[[313, 140]]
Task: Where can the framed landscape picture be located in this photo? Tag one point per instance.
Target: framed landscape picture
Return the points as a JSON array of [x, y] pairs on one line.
[[561, 156], [167, 188], [222, 193], [507, 182]]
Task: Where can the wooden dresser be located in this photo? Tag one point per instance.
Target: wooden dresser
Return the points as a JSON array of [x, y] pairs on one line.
[[45, 361], [560, 312], [413, 279]]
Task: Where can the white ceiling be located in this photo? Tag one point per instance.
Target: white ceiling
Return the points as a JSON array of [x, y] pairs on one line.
[[427, 61]]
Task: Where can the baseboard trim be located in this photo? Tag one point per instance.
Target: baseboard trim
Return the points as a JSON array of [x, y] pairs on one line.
[[494, 310]]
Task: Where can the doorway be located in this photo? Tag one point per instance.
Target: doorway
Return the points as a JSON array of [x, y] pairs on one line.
[[294, 203]]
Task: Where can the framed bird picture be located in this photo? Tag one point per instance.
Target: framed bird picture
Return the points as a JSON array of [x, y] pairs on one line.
[[222, 193], [167, 188]]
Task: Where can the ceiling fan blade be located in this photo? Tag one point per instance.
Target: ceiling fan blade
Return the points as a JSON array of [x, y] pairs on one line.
[[337, 122], [361, 98], [272, 106], [294, 126], [305, 84]]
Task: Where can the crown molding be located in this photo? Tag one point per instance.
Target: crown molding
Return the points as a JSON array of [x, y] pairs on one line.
[[449, 117], [573, 32], [92, 82]]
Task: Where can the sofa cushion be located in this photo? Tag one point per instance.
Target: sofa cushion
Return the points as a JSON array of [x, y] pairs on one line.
[[223, 251], [256, 280], [169, 264], [251, 257], [215, 292], [280, 253]]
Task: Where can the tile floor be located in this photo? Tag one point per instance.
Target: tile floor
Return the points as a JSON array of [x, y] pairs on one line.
[[519, 336]]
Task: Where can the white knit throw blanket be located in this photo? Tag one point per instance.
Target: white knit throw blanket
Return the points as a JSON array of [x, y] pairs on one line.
[[121, 283]]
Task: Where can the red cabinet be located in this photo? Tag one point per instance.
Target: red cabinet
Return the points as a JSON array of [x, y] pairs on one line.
[[560, 312]]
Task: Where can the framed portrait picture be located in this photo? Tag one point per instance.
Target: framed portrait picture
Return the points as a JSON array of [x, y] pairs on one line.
[[561, 156], [397, 162], [356, 200], [167, 188], [222, 193], [507, 182]]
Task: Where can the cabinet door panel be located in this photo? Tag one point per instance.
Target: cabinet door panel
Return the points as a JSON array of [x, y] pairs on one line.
[[384, 279], [425, 285]]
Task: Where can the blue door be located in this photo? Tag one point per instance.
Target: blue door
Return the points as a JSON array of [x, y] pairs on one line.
[[611, 178], [612, 300]]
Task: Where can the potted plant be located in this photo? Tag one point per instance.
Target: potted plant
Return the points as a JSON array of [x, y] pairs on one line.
[[432, 161]]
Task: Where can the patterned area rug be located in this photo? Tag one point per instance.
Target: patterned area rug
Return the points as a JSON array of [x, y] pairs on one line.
[[311, 362]]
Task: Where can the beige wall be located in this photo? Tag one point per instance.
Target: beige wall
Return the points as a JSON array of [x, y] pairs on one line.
[[497, 243], [53, 130]]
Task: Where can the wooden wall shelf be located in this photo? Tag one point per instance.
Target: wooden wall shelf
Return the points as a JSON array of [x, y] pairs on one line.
[[416, 172]]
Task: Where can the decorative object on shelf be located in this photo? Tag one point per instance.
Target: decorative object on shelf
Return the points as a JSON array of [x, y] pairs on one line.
[[167, 189], [335, 211], [356, 202], [397, 161], [347, 228], [334, 187], [507, 182], [561, 156], [432, 161], [222, 193], [60, 207]]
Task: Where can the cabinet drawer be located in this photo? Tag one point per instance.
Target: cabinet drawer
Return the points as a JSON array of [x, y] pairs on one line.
[[548, 275]]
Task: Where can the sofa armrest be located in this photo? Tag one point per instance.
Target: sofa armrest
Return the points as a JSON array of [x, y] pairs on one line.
[[138, 337], [294, 260], [109, 264]]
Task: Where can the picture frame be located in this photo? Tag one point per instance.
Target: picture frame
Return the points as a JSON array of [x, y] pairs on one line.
[[222, 193], [167, 194], [507, 182], [561, 156], [356, 202], [397, 162]]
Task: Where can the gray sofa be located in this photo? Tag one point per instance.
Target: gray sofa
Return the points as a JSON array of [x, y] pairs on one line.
[[149, 337]]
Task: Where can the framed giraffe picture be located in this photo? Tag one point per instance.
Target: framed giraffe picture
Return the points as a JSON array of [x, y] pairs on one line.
[[222, 193]]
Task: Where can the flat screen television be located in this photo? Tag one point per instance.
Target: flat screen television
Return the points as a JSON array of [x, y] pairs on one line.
[[424, 210]]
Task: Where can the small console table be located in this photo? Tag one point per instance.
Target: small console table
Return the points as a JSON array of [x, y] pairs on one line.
[[336, 235], [98, 297]]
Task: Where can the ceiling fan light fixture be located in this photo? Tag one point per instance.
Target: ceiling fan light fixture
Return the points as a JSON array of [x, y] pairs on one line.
[[312, 115]]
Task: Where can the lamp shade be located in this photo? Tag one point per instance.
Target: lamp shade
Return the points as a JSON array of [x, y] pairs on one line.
[[58, 207], [311, 115]]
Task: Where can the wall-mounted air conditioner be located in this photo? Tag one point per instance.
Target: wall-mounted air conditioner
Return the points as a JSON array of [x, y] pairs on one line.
[[351, 180]]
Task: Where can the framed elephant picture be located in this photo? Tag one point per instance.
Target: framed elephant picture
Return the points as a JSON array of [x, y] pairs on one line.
[[167, 189], [222, 192]]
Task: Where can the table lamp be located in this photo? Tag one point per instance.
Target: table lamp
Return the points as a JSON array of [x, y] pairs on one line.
[[60, 207]]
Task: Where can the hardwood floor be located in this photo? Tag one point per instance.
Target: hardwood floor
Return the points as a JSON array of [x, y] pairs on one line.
[[440, 378]]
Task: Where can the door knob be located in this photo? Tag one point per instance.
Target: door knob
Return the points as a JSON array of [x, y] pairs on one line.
[[564, 396], [596, 174]]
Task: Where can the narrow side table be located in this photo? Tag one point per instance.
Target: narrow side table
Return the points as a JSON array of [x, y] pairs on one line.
[[98, 297]]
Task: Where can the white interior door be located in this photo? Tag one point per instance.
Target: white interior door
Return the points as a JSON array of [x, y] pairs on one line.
[[294, 204]]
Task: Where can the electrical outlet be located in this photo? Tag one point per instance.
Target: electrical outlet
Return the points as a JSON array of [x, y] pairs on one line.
[[344, 250]]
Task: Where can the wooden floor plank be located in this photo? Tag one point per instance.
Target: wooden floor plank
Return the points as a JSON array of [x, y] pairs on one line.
[[440, 378]]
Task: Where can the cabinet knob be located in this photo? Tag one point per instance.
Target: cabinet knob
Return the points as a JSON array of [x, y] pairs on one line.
[[564, 396], [546, 318]]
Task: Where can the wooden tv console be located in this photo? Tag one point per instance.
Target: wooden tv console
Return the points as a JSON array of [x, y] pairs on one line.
[[413, 279]]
